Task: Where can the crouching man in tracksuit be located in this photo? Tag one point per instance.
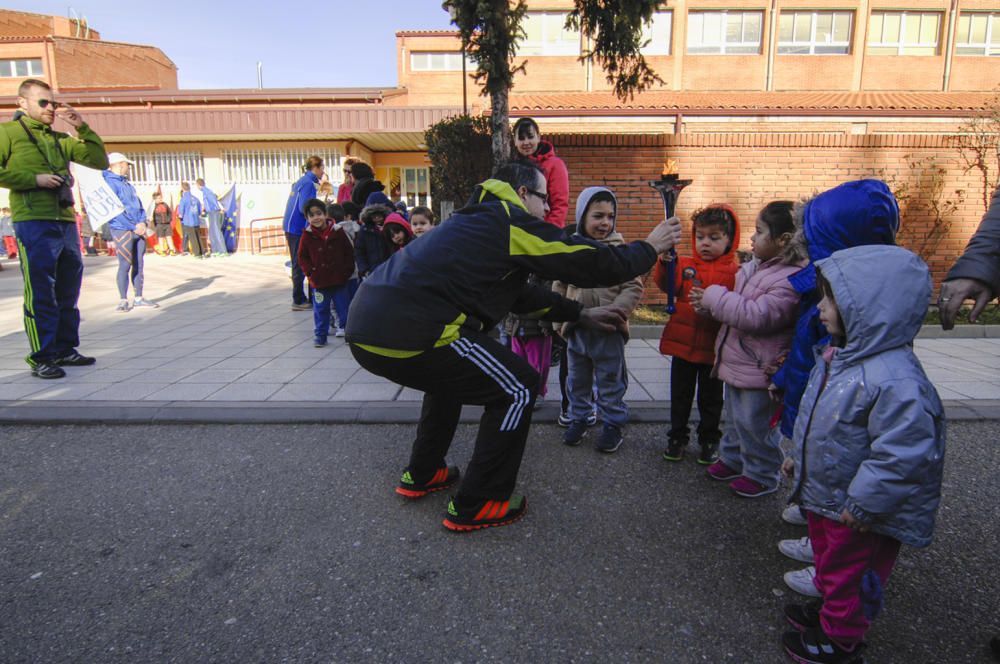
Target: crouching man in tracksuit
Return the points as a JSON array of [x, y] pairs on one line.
[[447, 291]]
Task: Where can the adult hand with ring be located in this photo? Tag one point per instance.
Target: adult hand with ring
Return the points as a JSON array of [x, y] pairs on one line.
[[954, 292]]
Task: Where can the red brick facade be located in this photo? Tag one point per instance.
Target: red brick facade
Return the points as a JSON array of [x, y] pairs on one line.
[[749, 170]]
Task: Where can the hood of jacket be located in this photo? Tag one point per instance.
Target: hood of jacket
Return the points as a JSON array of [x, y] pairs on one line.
[[496, 190], [543, 152], [849, 215], [396, 219], [583, 200], [370, 211], [882, 293]]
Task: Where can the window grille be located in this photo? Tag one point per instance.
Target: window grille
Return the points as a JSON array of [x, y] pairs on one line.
[[904, 33], [276, 166], [439, 61], [814, 33], [978, 33], [152, 168], [724, 32]]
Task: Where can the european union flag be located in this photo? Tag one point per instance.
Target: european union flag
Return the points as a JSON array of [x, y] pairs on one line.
[[231, 222]]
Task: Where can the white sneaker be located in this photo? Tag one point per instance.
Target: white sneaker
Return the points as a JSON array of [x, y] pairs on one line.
[[797, 549], [794, 516], [801, 581], [339, 332]]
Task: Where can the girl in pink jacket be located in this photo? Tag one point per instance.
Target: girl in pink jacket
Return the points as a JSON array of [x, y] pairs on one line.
[[758, 319]]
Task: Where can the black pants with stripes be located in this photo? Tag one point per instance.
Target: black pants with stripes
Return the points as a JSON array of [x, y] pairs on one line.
[[475, 369]]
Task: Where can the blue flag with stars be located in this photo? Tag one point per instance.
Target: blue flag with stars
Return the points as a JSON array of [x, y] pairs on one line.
[[230, 204]]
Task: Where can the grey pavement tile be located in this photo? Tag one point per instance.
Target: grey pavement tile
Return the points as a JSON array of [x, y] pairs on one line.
[[213, 375], [947, 394], [7, 374], [410, 394], [96, 374], [13, 391], [130, 392], [974, 389], [285, 362], [184, 392], [270, 376], [635, 392], [367, 392], [336, 363], [65, 391], [305, 392], [256, 351], [657, 391], [13, 363], [328, 376], [649, 375], [167, 374], [149, 361], [364, 376], [245, 392], [241, 363], [190, 359]]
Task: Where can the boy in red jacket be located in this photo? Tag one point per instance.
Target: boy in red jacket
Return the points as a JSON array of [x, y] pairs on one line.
[[326, 257], [690, 338]]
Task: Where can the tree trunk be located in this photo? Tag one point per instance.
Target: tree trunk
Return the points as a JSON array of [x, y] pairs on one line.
[[499, 127]]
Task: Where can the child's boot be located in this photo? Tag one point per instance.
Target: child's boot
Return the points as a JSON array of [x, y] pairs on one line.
[[675, 448]]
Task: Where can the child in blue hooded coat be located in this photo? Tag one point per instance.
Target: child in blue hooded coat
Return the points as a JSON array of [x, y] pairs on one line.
[[869, 446]]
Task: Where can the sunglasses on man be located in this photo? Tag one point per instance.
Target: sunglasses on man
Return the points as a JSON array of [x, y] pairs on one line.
[[44, 103]]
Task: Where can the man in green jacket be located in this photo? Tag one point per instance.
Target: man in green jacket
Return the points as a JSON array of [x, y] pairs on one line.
[[34, 165]]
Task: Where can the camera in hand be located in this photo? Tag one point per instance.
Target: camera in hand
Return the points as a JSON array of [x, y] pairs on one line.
[[65, 193]]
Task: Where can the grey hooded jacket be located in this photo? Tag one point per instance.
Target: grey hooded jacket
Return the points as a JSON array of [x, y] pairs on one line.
[[870, 435]]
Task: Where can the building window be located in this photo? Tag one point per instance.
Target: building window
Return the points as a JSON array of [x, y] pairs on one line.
[[659, 34], [978, 34], [545, 34], [814, 33], [19, 68], [439, 61], [904, 33], [275, 166], [724, 32], [153, 168]]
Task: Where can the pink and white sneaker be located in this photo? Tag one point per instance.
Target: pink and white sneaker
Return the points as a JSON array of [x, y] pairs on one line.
[[748, 488], [722, 472]]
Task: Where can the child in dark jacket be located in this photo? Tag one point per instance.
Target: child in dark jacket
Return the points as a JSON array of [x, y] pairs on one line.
[[396, 233], [327, 260], [690, 338], [369, 247]]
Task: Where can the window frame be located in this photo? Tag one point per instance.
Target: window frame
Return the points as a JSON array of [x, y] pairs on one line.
[[813, 22], [901, 45], [457, 66], [986, 46], [549, 47], [648, 34], [187, 166], [725, 47], [10, 64], [277, 166]]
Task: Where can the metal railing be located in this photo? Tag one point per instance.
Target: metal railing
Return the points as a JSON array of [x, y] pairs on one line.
[[258, 240]]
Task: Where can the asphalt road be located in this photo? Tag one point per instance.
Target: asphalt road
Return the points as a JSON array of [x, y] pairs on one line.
[[217, 543]]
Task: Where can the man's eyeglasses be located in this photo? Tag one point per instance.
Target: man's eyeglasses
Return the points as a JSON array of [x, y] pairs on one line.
[[544, 197], [44, 103]]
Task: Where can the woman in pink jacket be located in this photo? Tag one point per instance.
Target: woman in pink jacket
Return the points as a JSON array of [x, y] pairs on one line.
[[758, 320], [529, 145]]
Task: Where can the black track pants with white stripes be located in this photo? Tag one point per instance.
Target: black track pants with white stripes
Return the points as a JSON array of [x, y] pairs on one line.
[[474, 369]]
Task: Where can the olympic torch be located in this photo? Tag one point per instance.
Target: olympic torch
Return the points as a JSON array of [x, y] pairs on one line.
[[669, 185]]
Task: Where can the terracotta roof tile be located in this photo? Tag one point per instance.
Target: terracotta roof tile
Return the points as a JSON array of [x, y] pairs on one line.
[[427, 33], [747, 102]]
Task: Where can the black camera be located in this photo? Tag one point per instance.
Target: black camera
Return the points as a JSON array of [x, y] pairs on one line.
[[65, 193]]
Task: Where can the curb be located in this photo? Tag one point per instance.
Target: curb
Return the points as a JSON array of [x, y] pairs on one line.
[[269, 412]]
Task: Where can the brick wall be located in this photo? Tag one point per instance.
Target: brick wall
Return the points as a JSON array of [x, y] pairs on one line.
[[749, 170]]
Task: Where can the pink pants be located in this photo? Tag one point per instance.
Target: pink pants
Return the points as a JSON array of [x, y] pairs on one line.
[[842, 558], [538, 352]]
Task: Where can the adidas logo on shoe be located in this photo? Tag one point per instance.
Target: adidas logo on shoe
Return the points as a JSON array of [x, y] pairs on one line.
[[442, 479], [488, 514]]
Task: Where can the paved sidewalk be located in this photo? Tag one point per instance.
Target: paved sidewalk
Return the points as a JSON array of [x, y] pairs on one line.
[[225, 347]]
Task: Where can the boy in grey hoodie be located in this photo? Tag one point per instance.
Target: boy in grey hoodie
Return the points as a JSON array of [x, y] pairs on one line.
[[591, 353]]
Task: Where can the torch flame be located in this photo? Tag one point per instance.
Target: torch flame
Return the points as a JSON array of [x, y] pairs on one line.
[[669, 167]]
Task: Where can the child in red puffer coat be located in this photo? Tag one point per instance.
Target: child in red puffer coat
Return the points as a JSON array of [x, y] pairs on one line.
[[690, 338]]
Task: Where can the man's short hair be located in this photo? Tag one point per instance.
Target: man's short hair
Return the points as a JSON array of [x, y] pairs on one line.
[[520, 174], [200, 182], [28, 83], [185, 186]]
